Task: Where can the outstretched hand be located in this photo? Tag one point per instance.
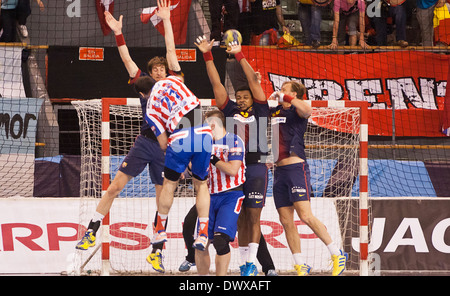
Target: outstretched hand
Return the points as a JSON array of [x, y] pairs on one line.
[[203, 44], [233, 47], [115, 25], [163, 11]]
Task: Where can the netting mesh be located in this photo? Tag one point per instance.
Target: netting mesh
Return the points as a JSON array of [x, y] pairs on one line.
[[68, 53], [332, 142]]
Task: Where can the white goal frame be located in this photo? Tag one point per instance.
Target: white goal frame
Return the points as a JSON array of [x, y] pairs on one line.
[[362, 171]]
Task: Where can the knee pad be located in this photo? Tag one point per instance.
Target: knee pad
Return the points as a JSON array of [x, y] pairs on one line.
[[221, 243], [171, 175]]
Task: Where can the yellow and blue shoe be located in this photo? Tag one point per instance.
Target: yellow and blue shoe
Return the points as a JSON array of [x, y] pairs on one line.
[[250, 269], [339, 263], [242, 269], [302, 270], [156, 260], [87, 241]]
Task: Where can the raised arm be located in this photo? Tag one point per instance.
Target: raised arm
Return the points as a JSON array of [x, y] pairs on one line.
[[116, 27], [220, 93], [252, 77], [302, 107], [163, 13]]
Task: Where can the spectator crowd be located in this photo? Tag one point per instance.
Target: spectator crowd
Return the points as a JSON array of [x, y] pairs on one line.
[[355, 22]]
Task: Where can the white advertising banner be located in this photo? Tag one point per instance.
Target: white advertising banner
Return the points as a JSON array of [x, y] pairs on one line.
[[38, 235]]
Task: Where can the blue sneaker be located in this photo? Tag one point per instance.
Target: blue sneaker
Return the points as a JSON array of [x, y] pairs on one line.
[[250, 269], [186, 266], [242, 269]]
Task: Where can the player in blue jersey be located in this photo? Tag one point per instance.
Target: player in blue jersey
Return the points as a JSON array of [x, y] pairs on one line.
[[226, 178], [291, 187], [145, 151], [248, 115]]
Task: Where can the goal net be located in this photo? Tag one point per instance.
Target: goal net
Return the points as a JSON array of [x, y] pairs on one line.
[[333, 142]]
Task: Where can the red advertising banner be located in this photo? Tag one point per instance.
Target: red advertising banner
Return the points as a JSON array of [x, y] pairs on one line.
[[410, 83]]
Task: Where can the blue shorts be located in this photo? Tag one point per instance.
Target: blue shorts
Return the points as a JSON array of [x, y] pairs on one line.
[[190, 145], [255, 186], [144, 151], [291, 183], [224, 212]]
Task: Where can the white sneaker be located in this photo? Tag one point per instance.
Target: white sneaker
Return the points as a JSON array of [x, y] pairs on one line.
[[200, 243], [23, 31]]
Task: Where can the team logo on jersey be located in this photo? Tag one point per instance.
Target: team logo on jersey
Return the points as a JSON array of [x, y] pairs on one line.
[[278, 120], [244, 119], [245, 114], [276, 113], [124, 164]]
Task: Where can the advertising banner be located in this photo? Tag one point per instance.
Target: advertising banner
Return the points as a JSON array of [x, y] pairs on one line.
[[412, 83], [18, 126], [39, 235]]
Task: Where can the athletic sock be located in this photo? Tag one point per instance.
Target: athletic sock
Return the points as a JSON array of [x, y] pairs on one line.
[[243, 252], [253, 250], [160, 222], [203, 226], [158, 246], [298, 259], [95, 222], [334, 250]]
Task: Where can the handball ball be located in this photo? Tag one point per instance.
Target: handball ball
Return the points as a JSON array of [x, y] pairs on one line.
[[232, 35]]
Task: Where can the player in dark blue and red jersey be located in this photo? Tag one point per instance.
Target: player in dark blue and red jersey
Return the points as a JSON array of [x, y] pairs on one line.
[[146, 150], [291, 186], [247, 116]]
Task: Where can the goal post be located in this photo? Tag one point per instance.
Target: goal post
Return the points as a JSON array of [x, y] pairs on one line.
[[336, 147]]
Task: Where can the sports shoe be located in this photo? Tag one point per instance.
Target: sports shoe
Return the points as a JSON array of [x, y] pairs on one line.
[[200, 243], [242, 269], [315, 44], [87, 241], [250, 269], [156, 260], [339, 263], [302, 270], [159, 237], [271, 272], [186, 266]]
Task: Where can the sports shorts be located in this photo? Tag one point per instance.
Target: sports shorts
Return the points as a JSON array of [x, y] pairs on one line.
[[291, 183], [144, 151], [190, 145], [255, 186], [224, 212]]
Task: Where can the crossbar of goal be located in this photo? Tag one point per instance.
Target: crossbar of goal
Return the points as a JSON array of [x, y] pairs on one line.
[[363, 171]]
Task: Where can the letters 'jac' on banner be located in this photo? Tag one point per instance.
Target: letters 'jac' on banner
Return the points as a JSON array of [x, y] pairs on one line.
[[411, 83]]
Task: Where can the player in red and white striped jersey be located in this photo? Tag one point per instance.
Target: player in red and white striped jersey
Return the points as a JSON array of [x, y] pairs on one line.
[[226, 179], [170, 100], [228, 148], [173, 108]]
